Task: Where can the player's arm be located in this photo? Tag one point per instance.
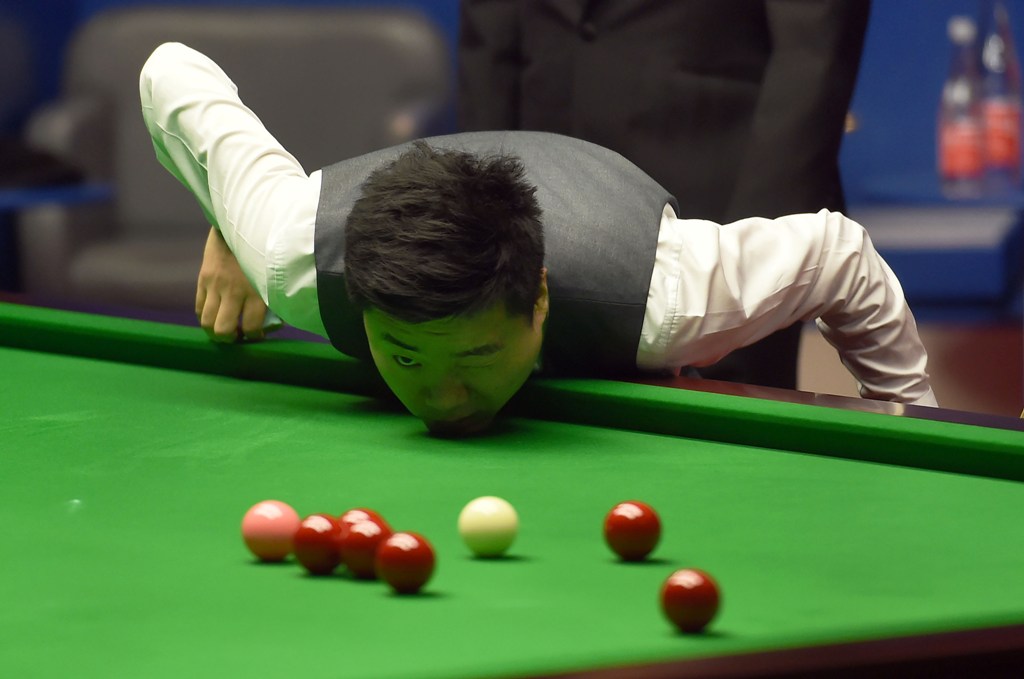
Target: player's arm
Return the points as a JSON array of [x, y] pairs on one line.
[[742, 281], [176, 87], [860, 309], [248, 186]]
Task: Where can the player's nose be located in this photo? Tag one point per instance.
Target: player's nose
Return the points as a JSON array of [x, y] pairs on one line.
[[447, 395]]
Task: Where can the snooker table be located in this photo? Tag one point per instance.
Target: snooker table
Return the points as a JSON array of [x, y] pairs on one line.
[[846, 542]]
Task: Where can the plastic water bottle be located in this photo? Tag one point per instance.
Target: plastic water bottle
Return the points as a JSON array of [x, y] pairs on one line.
[[1001, 102], [961, 140]]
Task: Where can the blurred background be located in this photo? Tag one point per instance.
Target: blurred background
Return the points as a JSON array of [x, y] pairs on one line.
[[959, 259]]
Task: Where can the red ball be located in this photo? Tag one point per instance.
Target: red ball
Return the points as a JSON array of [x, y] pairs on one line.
[[359, 542], [317, 544], [406, 561], [690, 599], [363, 514], [632, 529]]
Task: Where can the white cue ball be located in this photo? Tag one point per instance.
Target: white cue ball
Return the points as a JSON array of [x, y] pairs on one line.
[[488, 525]]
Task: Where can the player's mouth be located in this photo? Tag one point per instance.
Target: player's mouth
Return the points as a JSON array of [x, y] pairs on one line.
[[463, 426]]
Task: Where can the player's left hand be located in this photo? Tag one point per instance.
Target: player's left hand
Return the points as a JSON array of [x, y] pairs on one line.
[[227, 305]]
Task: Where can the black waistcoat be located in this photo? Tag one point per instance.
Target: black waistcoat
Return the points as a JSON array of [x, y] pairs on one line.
[[601, 219]]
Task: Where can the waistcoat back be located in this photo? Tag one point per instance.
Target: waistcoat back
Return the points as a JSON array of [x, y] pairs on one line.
[[601, 217]]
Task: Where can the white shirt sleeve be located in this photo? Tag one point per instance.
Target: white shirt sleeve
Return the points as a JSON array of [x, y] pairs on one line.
[[250, 188], [717, 288]]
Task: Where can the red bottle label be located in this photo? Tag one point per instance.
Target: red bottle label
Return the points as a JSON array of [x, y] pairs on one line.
[[1002, 134], [961, 152]]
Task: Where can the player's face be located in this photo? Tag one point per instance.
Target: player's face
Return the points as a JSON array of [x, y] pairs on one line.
[[455, 374]]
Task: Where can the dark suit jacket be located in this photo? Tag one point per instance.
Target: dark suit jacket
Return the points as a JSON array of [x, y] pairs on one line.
[[737, 107]]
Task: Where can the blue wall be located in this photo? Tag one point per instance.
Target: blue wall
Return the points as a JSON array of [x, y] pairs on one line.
[[895, 104]]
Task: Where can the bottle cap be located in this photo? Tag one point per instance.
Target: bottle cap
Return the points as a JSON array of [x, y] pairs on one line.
[[962, 30]]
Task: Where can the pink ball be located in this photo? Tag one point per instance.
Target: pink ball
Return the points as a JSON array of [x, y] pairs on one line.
[[268, 529]]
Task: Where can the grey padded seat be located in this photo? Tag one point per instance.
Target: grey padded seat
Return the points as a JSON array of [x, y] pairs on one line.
[[328, 82]]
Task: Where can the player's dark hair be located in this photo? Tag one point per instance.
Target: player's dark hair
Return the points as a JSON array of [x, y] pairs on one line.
[[440, 233]]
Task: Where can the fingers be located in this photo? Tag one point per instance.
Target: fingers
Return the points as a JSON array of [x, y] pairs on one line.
[[219, 315], [254, 312], [207, 301], [216, 318], [231, 318], [225, 324], [200, 297]]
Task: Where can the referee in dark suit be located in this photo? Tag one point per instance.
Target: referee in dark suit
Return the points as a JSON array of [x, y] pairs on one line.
[[737, 107]]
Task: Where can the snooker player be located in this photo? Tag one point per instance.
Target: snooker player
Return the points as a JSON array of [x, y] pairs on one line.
[[465, 263]]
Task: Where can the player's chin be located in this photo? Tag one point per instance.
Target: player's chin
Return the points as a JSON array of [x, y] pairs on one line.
[[468, 426]]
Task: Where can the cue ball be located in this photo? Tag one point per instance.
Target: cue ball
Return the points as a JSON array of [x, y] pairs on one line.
[[632, 530], [405, 561], [268, 529], [690, 599], [318, 544], [488, 525]]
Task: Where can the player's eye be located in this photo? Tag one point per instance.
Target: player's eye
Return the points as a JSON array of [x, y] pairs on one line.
[[405, 361]]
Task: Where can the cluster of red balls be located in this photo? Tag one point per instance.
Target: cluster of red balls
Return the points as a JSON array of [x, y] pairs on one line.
[[363, 542], [359, 539], [689, 597]]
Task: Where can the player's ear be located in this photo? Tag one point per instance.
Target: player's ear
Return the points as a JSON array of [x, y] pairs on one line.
[[540, 307]]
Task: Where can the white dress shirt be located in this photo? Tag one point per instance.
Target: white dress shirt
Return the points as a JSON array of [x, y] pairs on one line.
[[715, 288]]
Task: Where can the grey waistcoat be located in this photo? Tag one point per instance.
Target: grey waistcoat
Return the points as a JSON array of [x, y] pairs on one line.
[[601, 219]]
